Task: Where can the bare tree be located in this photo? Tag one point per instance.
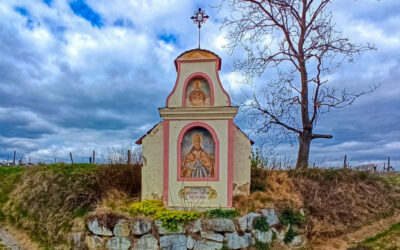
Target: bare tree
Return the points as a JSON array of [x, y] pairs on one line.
[[297, 39]]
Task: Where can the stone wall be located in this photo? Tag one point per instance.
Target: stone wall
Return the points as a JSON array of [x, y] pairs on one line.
[[145, 233]]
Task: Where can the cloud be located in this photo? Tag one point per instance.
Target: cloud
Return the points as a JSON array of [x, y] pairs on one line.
[[77, 76]]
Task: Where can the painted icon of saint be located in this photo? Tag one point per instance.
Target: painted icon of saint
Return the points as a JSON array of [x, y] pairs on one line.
[[197, 163], [197, 97]]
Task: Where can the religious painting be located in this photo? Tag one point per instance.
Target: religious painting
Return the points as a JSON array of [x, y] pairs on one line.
[[198, 154], [197, 93]]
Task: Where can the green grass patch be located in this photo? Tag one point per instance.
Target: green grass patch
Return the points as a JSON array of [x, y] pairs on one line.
[[392, 180], [261, 224], [289, 236], [9, 176], [290, 217], [389, 239], [69, 170], [222, 213], [261, 246]]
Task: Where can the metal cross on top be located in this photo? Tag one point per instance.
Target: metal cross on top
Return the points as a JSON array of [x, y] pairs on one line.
[[199, 18]]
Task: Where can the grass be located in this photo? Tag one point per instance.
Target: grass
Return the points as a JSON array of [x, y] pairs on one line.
[[46, 200], [261, 224], [9, 176], [222, 213], [290, 217], [391, 180], [3, 247], [389, 239], [335, 201]]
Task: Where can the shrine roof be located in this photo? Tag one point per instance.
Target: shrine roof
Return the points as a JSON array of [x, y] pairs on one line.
[[139, 142], [198, 55]]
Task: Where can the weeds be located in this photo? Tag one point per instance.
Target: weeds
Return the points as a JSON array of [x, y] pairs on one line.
[[289, 236], [258, 174], [222, 213], [261, 246], [47, 198], [9, 177], [261, 224], [289, 217]]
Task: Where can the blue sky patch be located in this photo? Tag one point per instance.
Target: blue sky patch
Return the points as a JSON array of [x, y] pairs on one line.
[[168, 38], [80, 8], [48, 2], [126, 23], [24, 12]]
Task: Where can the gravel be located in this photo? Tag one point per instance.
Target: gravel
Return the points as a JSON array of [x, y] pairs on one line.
[[7, 241]]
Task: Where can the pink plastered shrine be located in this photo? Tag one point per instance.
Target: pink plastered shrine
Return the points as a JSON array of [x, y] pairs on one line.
[[196, 157]]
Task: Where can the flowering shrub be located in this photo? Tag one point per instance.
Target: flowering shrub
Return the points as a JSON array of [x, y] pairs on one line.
[[147, 207], [170, 219]]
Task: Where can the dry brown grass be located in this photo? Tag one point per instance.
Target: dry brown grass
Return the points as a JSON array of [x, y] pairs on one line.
[[49, 198], [340, 201], [336, 202], [280, 192]]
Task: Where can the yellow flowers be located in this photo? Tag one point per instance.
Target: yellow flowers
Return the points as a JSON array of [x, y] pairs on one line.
[[170, 219], [147, 207]]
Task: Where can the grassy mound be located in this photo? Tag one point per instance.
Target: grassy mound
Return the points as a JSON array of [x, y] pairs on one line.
[[335, 201], [8, 179], [46, 199]]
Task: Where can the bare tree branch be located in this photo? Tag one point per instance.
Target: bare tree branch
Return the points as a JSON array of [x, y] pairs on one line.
[[297, 39]]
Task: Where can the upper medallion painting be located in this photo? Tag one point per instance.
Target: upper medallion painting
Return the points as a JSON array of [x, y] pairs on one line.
[[197, 93]]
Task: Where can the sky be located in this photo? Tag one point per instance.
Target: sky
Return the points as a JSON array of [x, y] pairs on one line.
[[84, 75]]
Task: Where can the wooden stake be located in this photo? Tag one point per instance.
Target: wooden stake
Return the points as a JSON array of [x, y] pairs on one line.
[[388, 165], [129, 156], [70, 156], [94, 157], [345, 162], [90, 160], [15, 154]]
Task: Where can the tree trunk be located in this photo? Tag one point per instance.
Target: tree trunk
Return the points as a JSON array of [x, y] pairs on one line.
[[304, 151]]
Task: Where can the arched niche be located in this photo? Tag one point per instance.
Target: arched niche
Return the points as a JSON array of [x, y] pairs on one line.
[[198, 91], [198, 153]]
